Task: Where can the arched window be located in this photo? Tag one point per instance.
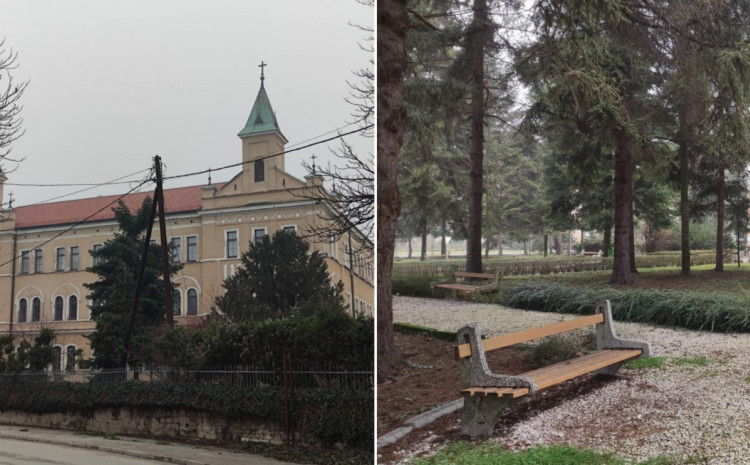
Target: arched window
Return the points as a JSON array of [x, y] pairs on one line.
[[58, 308], [192, 302], [22, 310], [70, 357], [73, 308], [57, 363], [260, 171], [36, 309], [176, 303]]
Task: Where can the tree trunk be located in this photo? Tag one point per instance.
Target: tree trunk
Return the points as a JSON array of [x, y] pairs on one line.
[[423, 244], [480, 34], [487, 244], [607, 243], [443, 244], [410, 249], [558, 245], [393, 23], [500, 244], [621, 263], [684, 203], [721, 194], [631, 230], [546, 244]]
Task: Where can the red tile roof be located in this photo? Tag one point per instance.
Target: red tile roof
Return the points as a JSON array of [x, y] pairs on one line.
[[178, 200]]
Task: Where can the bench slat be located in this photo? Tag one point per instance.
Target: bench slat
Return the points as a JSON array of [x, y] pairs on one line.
[[466, 274], [560, 372], [458, 287], [464, 350]]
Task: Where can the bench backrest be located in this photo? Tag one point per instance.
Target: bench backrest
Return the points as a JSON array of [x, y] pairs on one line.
[[466, 274], [498, 342]]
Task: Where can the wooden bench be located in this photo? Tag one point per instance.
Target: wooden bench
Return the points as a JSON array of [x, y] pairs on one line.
[[592, 254], [487, 282], [487, 394]]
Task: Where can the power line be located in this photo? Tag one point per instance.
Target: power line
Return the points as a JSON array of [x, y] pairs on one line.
[[79, 222], [112, 182], [93, 186], [234, 165]]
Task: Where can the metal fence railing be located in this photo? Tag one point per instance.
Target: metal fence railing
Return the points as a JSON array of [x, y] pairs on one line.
[[303, 376]]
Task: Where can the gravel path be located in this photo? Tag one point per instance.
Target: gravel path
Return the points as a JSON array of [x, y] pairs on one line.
[[686, 411]]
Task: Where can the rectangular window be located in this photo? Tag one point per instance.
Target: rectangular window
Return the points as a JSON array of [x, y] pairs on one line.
[[347, 256], [60, 259], [176, 246], [258, 235], [289, 229], [75, 258], [192, 248], [232, 249], [95, 261], [38, 260], [25, 262], [334, 247]]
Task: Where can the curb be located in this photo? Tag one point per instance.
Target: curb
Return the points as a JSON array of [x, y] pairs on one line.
[[112, 450], [419, 421]]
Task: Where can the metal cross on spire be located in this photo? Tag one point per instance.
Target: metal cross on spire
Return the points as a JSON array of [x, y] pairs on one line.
[[313, 164], [262, 66]]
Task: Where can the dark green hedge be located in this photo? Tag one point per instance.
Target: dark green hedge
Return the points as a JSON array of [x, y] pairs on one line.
[[331, 338], [329, 415], [690, 310]]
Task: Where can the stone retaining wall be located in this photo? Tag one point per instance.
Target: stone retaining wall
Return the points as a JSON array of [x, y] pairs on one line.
[[155, 423]]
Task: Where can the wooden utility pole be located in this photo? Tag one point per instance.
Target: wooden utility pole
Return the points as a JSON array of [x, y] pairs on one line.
[[163, 239], [139, 281]]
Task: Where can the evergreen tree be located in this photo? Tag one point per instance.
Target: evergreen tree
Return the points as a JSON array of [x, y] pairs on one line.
[[277, 279], [116, 264]]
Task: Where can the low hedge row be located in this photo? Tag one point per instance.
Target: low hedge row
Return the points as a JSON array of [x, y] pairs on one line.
[[329, 415], [555, 264], [690, 310]]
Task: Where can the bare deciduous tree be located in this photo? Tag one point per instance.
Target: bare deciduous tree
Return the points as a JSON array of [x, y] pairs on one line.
[[351, 195], [10, 109]]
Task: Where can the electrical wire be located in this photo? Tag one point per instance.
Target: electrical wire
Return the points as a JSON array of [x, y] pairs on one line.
[[234, 165], [92, 186], [80, 222], [112, 182]]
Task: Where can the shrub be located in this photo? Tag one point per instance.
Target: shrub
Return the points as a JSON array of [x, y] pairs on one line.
[[330, 415], [690, 310], [552, 350], [415, 285]]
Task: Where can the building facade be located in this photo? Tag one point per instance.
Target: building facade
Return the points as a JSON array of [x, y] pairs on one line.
[[45, 249]]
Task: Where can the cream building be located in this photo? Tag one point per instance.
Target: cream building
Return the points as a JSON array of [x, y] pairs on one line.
[[45, 249]]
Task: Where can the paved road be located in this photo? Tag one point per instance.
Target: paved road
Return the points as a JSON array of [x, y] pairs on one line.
[[36, 446], [14, 452]]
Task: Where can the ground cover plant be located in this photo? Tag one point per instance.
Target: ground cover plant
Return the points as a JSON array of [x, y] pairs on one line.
[[462, 453]]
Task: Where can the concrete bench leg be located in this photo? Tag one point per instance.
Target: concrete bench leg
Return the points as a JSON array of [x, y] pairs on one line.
[[610, 370], [480, 415]]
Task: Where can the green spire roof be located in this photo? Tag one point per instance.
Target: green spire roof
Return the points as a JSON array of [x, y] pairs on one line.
[[262, 119]]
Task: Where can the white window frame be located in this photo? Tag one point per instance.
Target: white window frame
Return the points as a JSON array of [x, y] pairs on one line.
[[70, 262], [40, 253], [54, 308], [178, 292], [285, 226], [178, 255], [65, 367], [187, 249], [26, 254], [94, 261], [78, 307], [57, 259], [334, 247], [226, 243], [187, 302], [265, 233]]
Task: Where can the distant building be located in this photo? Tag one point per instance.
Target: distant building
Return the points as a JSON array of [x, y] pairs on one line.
[[209, 225]]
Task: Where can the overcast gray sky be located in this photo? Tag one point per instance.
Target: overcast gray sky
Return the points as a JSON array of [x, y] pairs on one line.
[[113, 83]]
